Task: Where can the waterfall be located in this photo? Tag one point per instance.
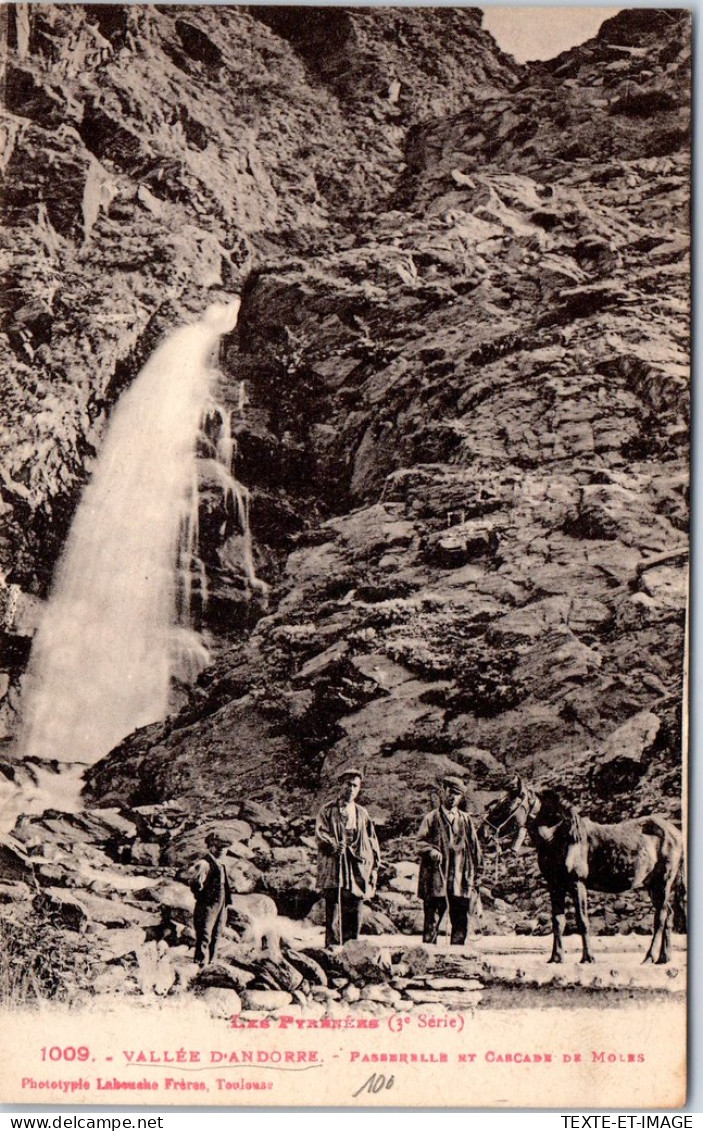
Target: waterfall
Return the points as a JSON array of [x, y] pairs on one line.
[[117, 627]]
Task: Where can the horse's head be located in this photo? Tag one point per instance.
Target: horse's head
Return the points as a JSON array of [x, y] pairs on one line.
[[508, 815], [553, 809]]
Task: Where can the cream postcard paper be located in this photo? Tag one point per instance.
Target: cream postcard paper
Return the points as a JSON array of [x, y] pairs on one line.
[[345, 372]]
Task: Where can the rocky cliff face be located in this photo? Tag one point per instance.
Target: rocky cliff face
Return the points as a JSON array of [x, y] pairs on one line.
[[464, 349]]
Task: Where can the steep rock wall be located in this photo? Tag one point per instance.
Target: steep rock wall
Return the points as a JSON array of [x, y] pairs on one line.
[[151, 156], [464, 345]]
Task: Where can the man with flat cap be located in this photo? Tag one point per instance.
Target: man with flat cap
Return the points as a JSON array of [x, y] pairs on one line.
[[210, 885], [348, 857], [450, 864]]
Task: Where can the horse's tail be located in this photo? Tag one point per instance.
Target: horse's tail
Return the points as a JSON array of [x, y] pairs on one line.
[[672, 841]]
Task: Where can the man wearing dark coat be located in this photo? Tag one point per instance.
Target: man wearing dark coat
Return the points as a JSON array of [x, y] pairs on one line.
[[348, 857], [450, 863], [210, 885]]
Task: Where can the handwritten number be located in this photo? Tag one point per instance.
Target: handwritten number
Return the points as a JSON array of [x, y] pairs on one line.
[[376, 1083]]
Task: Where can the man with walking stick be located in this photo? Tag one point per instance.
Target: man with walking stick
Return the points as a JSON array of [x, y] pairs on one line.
[[210, 885], [347, 860], [450, 863]]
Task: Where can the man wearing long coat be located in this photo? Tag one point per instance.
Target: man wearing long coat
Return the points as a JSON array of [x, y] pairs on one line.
[[450, 864], [348, 857], [210, 885]]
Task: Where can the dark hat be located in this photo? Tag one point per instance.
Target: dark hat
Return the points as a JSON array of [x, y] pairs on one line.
[[457, 783], [217, 838], [351, 772]]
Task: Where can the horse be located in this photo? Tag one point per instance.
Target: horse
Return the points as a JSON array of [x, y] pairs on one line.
[[576, 854]]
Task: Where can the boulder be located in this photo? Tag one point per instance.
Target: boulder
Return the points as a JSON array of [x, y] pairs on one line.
[[311, 970], [145, 853], [116, 820], [221, 1002], [381, 670], [667, 585], [374, 529], [464, 543], [189, 846], [15, 865], [174, 895], [291, 854], [266, 1000], [224, 975], [122, 941], [381, 993], [57, 875], [278, 974], [362, 961], [376, 922], [259, 845], [61, 909], [15, 892], [633, 741], [324, 663], [260, 815], [416, 959], [404, 911], [291, 877], [403, 876], [324, 993], [112, 913]]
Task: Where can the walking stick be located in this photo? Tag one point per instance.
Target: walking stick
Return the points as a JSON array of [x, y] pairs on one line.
[[342, 857], [448, 919], [445, 882]]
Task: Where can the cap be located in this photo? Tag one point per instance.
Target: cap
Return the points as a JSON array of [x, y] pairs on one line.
[[457, 783], [217, 838], [351, 772]]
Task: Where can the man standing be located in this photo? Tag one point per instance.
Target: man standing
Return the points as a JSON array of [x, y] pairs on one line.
[[347, 861], [450, 864], [211, 887]]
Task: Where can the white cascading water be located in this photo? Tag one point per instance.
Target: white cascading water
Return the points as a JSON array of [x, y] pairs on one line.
[[116, 631]]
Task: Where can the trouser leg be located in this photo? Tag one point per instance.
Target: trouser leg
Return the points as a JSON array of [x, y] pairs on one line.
[[206, 921], [332, 917], [350, 913], [198, 925], [434, 913], [352, 908], [459, 918], [215, 934]]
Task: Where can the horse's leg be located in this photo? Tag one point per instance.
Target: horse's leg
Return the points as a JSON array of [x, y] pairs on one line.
[[558, 898], [667, 913], [665, 952], [581, 904], [657, 896], [649, 956]]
